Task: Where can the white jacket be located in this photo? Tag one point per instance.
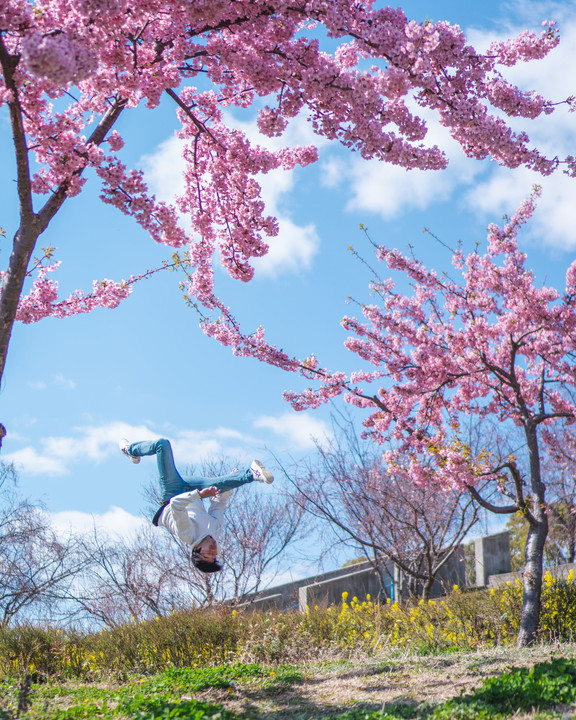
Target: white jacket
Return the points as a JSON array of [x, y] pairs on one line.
[[187, 519]]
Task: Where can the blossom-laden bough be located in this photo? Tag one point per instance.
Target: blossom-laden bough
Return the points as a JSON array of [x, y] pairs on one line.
[[71, 68]]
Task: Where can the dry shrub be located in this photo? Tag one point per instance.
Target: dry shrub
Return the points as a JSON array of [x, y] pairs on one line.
[[200, 638]]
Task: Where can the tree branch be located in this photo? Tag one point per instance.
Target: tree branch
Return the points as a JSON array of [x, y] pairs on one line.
[[502, 510]]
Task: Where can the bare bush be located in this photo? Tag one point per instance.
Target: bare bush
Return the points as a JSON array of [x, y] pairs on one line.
[[37, 566], [387, 518]]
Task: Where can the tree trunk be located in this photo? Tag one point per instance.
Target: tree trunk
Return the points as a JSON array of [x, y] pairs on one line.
[[532, 582], [27, 234], [427, 588], [24, 244], [534, 551], [571, 536]]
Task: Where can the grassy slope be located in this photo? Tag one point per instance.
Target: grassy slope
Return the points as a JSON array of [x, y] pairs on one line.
[[540, 682]]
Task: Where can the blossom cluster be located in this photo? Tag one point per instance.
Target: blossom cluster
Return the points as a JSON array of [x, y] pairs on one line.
[[118, 56], [42, 301], [58, 57]]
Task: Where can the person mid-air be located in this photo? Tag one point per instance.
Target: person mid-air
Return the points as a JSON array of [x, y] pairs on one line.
[[182, 511]]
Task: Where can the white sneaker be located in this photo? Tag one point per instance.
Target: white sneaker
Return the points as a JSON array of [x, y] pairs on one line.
[[260, 473], [123, 444]]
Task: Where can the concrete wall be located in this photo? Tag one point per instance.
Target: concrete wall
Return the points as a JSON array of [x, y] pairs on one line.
[[492, 556], [557, 571], [358, 583], [357, 580], [360, 580], [286, 596]]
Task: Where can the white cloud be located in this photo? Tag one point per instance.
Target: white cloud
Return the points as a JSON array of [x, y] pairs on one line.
[[101, 441], [388, 190], [56, 455], [64, 382], [294, 248], [554, 221], [164, 169], [192, 446], [301, 429], [115, 522], [30, 460]]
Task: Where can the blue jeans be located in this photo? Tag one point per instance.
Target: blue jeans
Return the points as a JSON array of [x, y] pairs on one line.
[[171, 482]]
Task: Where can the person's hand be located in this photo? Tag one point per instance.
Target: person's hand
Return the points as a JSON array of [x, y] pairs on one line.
[[212, 491]]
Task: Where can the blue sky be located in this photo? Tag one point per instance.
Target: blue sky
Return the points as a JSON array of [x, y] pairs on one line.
[[73, 387]]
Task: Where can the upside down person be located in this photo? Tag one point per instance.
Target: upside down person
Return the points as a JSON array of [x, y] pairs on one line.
[[182, 511]]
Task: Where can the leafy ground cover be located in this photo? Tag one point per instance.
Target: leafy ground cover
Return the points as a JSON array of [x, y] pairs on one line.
[[482, 685]]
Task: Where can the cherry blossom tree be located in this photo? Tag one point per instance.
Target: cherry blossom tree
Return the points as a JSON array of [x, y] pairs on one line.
[[493, 346], [71, 68]]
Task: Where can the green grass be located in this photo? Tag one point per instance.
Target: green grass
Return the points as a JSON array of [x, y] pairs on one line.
[[544, 690], [224, 676], [147, 698]]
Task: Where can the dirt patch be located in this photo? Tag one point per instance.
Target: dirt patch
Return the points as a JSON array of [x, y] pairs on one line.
[[372, 684]]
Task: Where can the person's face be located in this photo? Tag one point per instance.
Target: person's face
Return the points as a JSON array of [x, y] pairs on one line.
[[207, 549]]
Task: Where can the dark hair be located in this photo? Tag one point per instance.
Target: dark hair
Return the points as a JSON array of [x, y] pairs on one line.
[[202, 565]]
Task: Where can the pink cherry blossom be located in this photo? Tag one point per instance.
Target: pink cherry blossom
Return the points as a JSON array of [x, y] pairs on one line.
[[71, 68], [57, 57]]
